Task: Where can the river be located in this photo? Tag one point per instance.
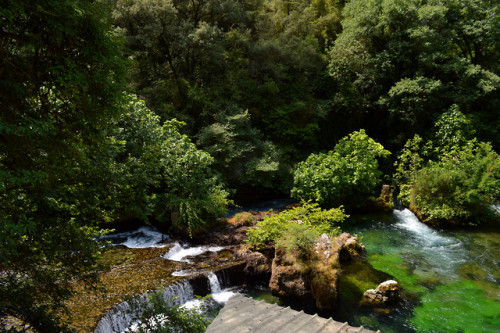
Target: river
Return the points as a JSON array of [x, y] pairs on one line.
[[453, 277]]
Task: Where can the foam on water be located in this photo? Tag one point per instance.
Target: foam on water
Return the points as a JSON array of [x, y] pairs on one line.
[[218, 294], [119, 318], [445, 253], [425, 235], [180, 253], [143, 237]]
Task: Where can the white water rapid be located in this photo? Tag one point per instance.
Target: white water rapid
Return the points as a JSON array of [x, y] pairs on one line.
[[143, 237], [448, 251], [180, 253]]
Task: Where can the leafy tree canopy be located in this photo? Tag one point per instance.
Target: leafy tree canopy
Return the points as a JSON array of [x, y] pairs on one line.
[[399, 64], [346, 175], [160, 174], [61, 80], [453, 179]]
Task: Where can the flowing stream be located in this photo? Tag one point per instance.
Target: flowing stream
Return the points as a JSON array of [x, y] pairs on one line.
[[452, 277], [144, 237], [183, 252]]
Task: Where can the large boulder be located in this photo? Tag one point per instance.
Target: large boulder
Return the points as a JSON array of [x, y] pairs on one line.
[[316, 280], [386, 293], [349, 248], [257, 266], [290, 279]]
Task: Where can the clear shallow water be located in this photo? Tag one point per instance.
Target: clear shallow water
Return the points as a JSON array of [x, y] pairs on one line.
[[452, 277]]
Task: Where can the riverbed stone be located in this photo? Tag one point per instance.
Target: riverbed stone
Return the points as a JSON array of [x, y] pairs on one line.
[[257, 266], [386, 293]]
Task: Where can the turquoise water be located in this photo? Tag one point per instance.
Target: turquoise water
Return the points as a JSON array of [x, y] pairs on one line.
[[451, 278]]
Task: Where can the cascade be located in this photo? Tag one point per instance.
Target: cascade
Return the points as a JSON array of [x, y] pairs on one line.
[[119, 318], [424, 234], [446, 252], [180, 253], [143, 237], [214, 283], [218, 294]]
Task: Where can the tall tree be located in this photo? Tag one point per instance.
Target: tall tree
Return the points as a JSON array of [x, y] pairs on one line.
[[399, 64], [61, 78]]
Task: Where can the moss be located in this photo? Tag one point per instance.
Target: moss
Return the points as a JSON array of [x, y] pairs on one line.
[[131, 272], [116, 256], [393, 265], [357, 277], [243, 218], [459, 306]]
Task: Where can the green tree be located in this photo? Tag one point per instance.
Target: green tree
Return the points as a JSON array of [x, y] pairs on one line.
[[460, 187], [399, 64], [282, 228], [61, 80], [453, 179], [197, 60], [346, 175], [160, 174]]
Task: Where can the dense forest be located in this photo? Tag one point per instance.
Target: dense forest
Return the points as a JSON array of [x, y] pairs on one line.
[[168, 111]]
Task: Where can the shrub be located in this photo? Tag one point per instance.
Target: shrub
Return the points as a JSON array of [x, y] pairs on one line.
[[452, 179], [309, 215], [298, 239], [460, 187], [347, 175]]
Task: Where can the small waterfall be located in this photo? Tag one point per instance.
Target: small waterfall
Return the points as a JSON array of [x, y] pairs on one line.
[[119, 318], [143, 237], [218, 294], [179, 253], [425, 235], [214, 283]]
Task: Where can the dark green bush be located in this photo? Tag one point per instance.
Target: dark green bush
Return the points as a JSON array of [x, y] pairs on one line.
[[460, 187], [347, 175]]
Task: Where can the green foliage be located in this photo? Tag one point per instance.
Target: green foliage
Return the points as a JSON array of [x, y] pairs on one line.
[[453, 128], [204, 61], [460, 186], [61, 83], [347, 175], [62, 76], [161, 174], [454, 179], [308, 215], [398, 64], [158, 315], [410, 160], [298, 239], [239, 152]]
